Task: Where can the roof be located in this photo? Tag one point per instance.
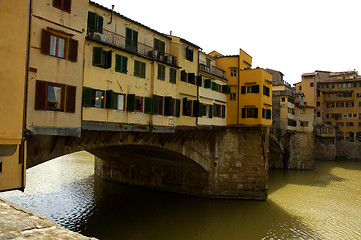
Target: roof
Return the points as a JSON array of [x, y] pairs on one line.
[[122, 16]]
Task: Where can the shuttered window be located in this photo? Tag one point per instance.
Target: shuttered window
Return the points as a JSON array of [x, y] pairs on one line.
[[191, 78], [59, 46], [199, 81], [177, 110], [189, 54], [70, 99], [183, 76], [139, 69], [196, 108], [249, 112], [148, 105], [102, 58], [161, 72], [207, 83], [95, 22], [172, 75], [121, 63], [159, 46], [168, 106], [64, 5], [130, 102], [131, 39]]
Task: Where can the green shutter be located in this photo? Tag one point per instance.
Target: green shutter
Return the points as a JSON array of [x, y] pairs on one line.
[[244, 112], [124, 65], [161, 72], [128, 38], [118, 63], [162, 46], [226, 89], [108, 60], [210, 111], [109, 99], [173, 75], [243, 90], [130, 102], [183, 76], [168, 106], [154, 104], [92, 22], [98, 56], [196, 108], [148, 105], [214, 86], [136, 68], [199, 81], [142, 69], [256, 88], [207, 83], [156, 44], [256, 112], [87, 97], [184, 106], [177, 108], [99, 26], [135, 41], [200, 109], [223, 111]]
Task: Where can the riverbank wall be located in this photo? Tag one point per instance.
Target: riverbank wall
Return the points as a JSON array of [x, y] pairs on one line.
[[17, 222]]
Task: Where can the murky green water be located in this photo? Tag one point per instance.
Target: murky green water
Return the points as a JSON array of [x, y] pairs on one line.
[[320, 204]]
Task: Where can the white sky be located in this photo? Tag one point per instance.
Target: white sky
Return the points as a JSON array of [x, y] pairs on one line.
[[290, 36]]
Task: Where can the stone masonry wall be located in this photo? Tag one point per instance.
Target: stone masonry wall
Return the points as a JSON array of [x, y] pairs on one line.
[[301, 151], [325, 148]]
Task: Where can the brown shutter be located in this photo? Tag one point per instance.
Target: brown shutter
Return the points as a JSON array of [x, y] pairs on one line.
[[70, 99], [40, 95], [73, 50], [62, 105], [45, 42], [67, 5]]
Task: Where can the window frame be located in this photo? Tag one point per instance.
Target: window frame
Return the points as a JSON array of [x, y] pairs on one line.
[[62, 3]]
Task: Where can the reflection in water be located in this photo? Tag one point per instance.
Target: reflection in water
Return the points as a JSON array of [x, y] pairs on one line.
[[320, 204]]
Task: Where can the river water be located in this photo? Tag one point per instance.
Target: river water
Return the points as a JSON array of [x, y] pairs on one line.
[[321, 204]]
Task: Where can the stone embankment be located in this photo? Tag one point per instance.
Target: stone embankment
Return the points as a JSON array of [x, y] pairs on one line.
[[19, 223]]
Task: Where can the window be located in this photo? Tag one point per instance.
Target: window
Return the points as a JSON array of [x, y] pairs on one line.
[[283, 99], [304, 123], [172, 75], [233, 72], [199, 81], [349, 124], [161, 72], [340, 104], [208, 63], [329, 85], [339, 124], [207, 83], [189, 54], [217, 110], [59, 45], [249, 112], [183, 76], [250, 89], [160, 105], [187, 107], [121, 63], [98, 98], [330, 104], [55, 97], [350, 104], [102, 58], [311, 84], [95, 22], [318, 104], [268, 113], [64, 5], [191, 78], [349, 85], [358, 95], [232, 96], [131, 39], [159, 46], [266, 91], [292, 123], [114, 100], [138, 104], [318, 114], [139, 69], [300, 88]]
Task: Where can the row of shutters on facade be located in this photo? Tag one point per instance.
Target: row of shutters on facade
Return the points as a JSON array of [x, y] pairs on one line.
[[150, 104]]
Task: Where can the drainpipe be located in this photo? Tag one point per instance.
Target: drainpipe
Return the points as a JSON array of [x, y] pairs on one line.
[[22, 145], [238, 87], [197, 88], [111, 15]]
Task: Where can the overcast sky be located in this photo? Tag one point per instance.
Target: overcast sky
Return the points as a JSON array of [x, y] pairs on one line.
[[290, 36]]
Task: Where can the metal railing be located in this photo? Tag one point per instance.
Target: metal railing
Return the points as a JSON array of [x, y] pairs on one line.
[[120, 41], [211, 69]]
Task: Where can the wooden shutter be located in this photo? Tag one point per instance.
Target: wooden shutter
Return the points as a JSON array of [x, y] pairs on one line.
[[210, 111], [148, 105], [196, 108], [45, 42], [268, 114], [135, 41], [124, 65], [142, 69], [168, 106], [177, 108], [243, 90], [87, 97], [173, 75], [244, 112], [130, 102], [183, 76], [256, 88], [118, 63], [207, 83], [199, 81], [154, 104], [40, 95], [108, 59], [99, 24], [98, 56], [128, 38], [184, 106], [200, 109], [214, 86], [57, 3], [67, 5], [136, 68], [223, 111], [73, 50], [191, 78], [255, 112], [92, 18], [70, 99], [109, 99]]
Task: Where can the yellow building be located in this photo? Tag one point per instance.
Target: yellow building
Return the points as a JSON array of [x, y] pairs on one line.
[[56, 67], [213, 89], [14, 23], [250, 99]]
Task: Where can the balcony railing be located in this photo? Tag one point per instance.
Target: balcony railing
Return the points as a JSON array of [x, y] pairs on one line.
[[132, 46], [211, 69]]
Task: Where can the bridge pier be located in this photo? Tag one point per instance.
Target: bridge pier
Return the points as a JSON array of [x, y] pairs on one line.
[[232, 163]]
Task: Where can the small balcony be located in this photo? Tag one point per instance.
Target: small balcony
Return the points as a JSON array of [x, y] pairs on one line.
[[136, 47], [212, 70]]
